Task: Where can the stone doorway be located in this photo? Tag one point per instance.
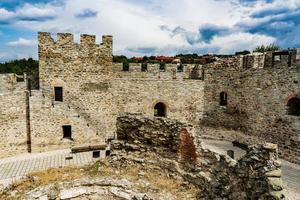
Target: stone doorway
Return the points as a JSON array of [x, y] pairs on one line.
[[160, 110]]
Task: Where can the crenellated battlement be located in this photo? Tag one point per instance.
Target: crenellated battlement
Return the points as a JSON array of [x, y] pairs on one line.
[[45, 38], [65, 38], [69, 58], [156, 70]]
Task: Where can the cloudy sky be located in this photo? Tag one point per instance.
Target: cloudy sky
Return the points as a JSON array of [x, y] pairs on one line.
[[152, 27]]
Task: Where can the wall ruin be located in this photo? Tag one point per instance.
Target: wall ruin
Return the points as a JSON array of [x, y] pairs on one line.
[[256, 175]]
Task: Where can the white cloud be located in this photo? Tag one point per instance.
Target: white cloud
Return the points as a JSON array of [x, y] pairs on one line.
[[28, 12], [34, 12], [5, 14], [240, 41], [22, 42], [138, 25], [2, 54]]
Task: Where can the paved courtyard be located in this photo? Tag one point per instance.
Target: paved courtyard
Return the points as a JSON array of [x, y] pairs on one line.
[[290, 171], [14, 168]]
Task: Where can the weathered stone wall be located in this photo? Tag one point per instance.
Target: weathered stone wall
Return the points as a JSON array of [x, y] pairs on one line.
[[255, 60], [46, 118], [12, 123], [100, 90], [257, 104], [159, 135], [275, 59], [8, 83], [47, 121], [256, 175], [96, 91]]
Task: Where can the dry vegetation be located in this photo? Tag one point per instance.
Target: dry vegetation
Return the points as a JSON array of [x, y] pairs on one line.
[[146, 179]]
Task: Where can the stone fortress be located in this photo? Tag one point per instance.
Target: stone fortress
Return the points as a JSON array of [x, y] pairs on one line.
[[82, 92]]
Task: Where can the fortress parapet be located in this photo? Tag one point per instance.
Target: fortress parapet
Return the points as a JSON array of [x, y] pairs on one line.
[[284, 58], [45, 38], [166, 71], [65, 57]]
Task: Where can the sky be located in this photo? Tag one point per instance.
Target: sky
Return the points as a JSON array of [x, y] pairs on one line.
[[152, 27]]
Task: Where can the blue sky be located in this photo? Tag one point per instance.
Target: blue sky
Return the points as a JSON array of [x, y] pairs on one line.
[[152, 27]]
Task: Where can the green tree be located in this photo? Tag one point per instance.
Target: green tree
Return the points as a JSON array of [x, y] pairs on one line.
[[245, 52], [19, 67], [269, 47]]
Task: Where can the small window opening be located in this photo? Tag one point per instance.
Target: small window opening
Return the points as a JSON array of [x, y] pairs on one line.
[[96, 154], [58, 94], [223, 99], [20, 78], [180, 67], [67, 132], [277, 58], [107, 153], [294, 106], [160, 110], [162, 67], [144, 67], [125, 67]]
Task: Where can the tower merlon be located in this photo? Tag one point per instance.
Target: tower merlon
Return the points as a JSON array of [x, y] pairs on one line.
[[65, 38], [45, 38], [86, 39], [107, 40]]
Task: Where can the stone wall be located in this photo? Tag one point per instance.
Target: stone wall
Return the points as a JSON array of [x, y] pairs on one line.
[[256, 175], [100, 90], [270, 59], [96, 91], [47, 121], [8, 83], [160, 135], [257, 104], [12, 123]]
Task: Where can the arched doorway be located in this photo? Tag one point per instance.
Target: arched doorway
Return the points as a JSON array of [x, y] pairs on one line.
[[294, 106], [160, 110]]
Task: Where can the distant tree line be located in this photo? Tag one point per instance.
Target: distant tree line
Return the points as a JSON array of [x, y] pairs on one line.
[[260, 49], [263, 48], [184, 58], [21, 66]]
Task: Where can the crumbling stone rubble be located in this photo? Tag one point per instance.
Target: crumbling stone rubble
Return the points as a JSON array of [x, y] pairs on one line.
[[257, 175]]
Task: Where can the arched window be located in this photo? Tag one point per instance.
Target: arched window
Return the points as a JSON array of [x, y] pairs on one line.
[[160, 110], [294, 106], [223, 99]]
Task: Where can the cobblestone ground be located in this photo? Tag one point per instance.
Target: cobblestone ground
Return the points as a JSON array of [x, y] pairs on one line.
[[290, 171], [14, 168]]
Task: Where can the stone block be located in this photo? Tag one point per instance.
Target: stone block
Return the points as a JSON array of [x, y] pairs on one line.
[[274, 173], [275, 184]]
